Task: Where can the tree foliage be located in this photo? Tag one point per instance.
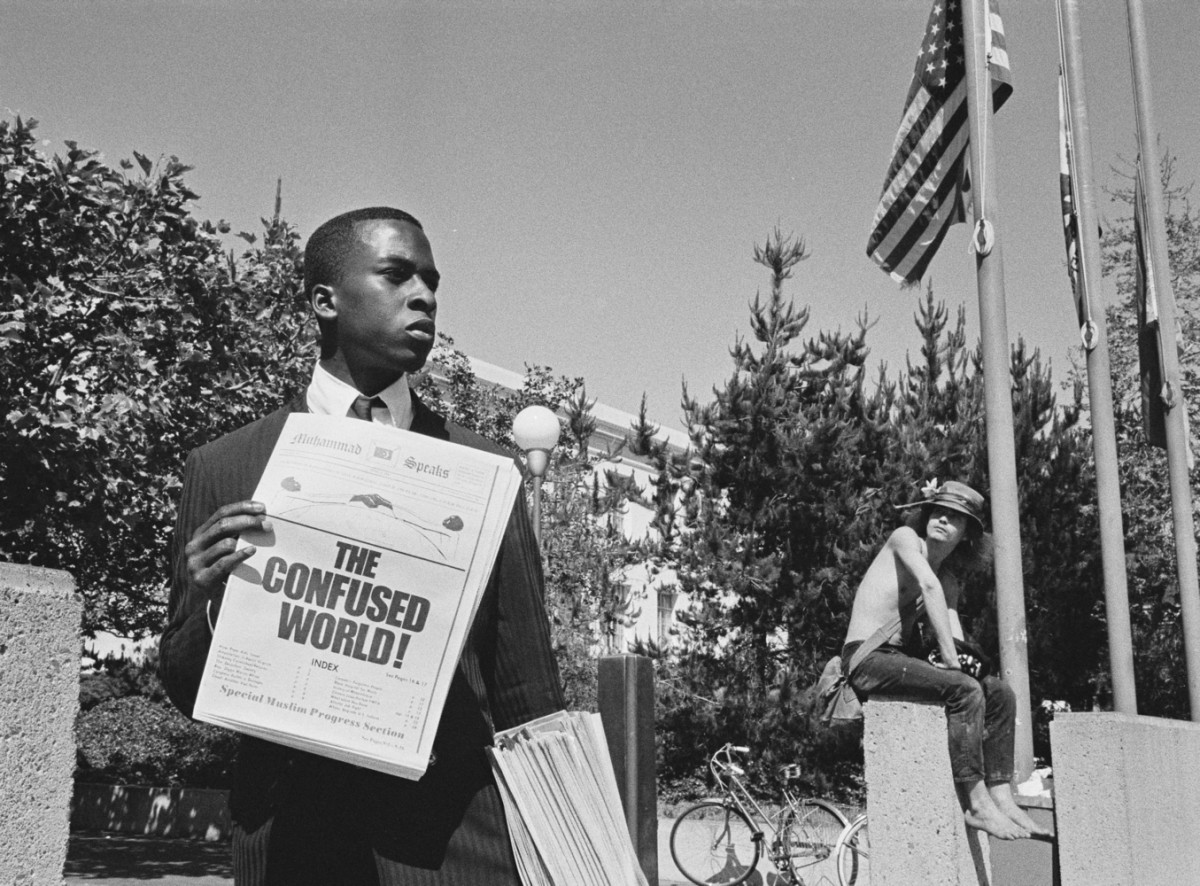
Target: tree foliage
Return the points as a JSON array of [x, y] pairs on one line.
[[797, 467], [135, 740], [1145, 491], [127, 732], [584, 549], [127, 336]]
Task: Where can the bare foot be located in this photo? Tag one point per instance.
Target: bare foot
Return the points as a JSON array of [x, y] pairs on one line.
[[994, 822], [980, 811], [1003, 797]]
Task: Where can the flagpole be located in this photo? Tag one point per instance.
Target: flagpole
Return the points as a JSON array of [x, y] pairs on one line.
[[1104, 434], [1176, 416], [997, 385]]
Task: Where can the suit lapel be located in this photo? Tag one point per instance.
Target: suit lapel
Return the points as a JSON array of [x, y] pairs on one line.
[[426, 421]]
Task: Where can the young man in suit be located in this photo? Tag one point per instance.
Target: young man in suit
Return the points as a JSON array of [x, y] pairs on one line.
[[920, 566], [302, 819]]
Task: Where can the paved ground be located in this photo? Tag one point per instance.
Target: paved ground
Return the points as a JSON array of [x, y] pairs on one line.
[[99, 859], [115, 860]]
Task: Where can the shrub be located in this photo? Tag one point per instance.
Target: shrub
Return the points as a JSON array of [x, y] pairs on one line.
[[135, 740]]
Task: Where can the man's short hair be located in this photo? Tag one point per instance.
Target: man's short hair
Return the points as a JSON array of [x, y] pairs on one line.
[[329, 244]]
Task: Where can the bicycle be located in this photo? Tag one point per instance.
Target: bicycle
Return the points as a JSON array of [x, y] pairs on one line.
[[853, 854], [718, 841]]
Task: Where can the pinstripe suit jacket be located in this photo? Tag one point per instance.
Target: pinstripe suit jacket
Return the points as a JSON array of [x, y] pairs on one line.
[[506, 675]]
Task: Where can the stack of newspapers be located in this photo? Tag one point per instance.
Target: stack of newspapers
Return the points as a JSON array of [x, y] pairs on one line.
[[560, 796], [341, 633]]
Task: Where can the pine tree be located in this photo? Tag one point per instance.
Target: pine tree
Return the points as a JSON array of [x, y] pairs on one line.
[[792, 486], [762, 551]]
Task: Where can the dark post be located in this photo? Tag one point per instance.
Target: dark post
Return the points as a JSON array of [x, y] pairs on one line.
[[625, 694]]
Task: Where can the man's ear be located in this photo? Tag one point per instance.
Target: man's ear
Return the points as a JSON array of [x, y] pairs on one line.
[[323, 304]]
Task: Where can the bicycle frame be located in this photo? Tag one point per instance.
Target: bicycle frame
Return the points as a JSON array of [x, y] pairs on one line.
[[727, 774], [799, 835]]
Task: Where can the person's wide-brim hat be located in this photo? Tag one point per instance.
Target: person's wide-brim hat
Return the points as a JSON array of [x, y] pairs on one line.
[[955, 496]]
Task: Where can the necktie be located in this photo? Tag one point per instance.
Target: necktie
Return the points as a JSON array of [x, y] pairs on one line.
[[362, 407]]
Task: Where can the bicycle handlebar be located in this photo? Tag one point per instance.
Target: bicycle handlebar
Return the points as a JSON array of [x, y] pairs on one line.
[[722, 763]]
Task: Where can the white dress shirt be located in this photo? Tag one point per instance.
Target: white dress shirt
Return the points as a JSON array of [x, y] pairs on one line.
[[329, 395]]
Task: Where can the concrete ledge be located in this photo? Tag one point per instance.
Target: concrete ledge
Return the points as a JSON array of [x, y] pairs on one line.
[[918, 836], [1027, 862], [1127, 792], [192, 813], [39, 663]]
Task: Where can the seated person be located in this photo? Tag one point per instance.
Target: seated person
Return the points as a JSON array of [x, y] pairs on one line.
[[921, 565]]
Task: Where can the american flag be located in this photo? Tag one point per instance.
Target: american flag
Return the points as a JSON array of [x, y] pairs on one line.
[[925, 183]]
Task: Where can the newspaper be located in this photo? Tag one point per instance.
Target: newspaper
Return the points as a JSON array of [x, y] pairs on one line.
[[341, 633], [563, 807]]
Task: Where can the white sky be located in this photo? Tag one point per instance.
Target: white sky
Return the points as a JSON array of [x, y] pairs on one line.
[[594, 176]]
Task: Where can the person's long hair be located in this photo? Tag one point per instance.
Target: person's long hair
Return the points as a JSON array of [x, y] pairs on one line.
[[972, 554]]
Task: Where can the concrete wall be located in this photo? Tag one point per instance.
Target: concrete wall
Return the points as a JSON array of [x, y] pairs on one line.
[[918, 836], [193, 813], [1127, 791], [1027, 862], [39, 675]]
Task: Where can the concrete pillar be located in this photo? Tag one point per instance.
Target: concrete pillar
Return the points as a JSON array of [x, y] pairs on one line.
[[1127, 799], [39, 672], [918, 836], [625, 696]]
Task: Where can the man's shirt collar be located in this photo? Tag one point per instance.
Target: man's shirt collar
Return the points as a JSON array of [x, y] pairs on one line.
[[329, 395]]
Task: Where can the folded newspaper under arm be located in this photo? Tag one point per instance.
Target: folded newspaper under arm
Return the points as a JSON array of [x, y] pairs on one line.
[[560, 797], [341, 633]]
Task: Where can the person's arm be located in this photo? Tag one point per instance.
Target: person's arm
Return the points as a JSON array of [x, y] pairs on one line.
[[907, 546], [204, 553]]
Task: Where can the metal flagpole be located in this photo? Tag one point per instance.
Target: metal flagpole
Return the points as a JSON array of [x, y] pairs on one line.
[[1104, 435], [1176, 416], [997, 383]]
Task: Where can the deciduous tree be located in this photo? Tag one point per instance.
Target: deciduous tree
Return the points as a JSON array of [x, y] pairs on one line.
[[127, 336]]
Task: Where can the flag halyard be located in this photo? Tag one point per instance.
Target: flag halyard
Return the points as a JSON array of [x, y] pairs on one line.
[[923, 191]]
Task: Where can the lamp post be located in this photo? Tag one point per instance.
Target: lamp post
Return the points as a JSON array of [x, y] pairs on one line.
[[535, 428]]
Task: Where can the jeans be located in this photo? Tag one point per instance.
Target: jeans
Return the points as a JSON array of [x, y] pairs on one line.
[[980, 714]]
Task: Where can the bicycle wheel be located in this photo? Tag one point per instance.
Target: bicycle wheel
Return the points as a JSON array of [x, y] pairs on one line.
[[810, 833], [713, 843], [854, 854]]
